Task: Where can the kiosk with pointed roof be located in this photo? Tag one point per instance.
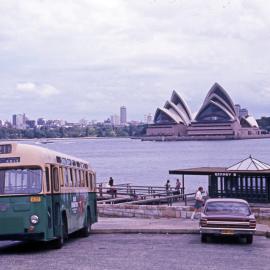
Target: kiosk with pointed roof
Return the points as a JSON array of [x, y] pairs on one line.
[[248, 179]]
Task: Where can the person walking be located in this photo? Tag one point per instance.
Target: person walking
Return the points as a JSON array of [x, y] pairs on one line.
[[168, 192], [167, 185], [177, 187], [198, 202]]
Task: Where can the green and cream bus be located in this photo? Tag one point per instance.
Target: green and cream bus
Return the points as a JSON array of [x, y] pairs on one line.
[[44, 195]]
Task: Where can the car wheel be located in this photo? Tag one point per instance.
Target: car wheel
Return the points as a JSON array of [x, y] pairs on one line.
[[249, 239], [204, 238]]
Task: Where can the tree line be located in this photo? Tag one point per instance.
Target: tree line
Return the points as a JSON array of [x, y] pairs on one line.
[[73, 132]]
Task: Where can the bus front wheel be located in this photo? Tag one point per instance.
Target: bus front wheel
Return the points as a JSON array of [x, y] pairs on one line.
[[59, 242]]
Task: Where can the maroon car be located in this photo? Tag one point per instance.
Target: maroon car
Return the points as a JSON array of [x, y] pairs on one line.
[[227, 217]]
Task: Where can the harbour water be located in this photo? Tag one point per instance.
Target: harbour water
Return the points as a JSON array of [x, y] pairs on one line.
[[148, 163]]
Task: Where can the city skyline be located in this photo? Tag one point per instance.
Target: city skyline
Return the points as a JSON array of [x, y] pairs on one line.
[[23, 121], [88, 59]]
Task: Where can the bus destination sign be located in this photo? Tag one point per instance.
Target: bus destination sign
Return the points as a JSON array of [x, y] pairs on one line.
[[10, 160]]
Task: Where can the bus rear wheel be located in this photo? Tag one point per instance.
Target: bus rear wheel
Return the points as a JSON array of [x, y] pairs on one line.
[[86, 230]]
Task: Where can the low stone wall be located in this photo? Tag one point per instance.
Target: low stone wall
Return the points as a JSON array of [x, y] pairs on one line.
[[144, 211], [261, 213], [160, 211]]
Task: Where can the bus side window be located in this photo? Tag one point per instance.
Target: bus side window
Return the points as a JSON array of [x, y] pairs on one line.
[[91, 181], [55, 179], [94, 180], [78, 178], [70, 177], [82, 180], [75, 178], [47, 174], [66, 176], [87, 179], [61, 176]]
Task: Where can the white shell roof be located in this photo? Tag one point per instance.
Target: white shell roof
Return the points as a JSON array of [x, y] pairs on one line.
[[171, 114], [249, 164], [176, 109], [252, 121], [224, 103], [179, 110]]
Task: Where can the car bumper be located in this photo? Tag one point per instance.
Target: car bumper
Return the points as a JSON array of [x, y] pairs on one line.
[[226, 231], [22, 236]]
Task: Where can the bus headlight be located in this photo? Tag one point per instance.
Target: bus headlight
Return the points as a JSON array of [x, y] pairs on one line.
[[34, 219]]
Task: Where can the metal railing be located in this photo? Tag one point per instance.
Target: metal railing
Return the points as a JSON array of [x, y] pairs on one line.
[[138, 194], [135, 190]]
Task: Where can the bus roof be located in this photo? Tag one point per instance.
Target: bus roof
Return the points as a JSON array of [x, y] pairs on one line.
[[32, 154]]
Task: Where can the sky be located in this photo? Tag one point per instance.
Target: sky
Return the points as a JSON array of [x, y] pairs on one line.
[[74, 59]]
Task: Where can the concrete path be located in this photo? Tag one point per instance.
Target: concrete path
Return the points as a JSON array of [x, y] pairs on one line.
[[162, 225]]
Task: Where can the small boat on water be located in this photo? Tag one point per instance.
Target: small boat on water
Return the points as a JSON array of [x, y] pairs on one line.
[[43, 142]]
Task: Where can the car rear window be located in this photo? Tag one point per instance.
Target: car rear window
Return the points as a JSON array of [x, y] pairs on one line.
[[230, 208]]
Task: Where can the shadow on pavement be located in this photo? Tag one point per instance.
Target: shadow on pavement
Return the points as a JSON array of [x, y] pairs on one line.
[[32, 247], [229, 240]]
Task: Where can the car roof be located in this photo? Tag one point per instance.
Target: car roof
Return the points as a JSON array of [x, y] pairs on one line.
[[226, 200]]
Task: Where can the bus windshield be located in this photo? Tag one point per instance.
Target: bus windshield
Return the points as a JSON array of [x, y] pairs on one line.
[[20, 181]]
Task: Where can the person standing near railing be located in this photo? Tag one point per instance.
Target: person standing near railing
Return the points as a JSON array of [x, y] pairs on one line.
[[177, 187], [112, 190], [168, 192]]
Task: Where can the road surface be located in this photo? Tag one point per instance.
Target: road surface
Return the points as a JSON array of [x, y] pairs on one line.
[[138, 251]]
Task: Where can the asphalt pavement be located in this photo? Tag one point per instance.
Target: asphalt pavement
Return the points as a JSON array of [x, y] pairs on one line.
[[132, 243], [139, 251]]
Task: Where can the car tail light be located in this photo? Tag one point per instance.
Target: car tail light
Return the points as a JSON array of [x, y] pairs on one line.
[[203, 222], [252, 224]]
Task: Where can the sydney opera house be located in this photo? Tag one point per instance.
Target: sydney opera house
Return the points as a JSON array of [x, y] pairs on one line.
[[218, 118]]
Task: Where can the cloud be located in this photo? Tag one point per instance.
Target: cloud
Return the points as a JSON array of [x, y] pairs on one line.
[[110, 53], [43, 90]]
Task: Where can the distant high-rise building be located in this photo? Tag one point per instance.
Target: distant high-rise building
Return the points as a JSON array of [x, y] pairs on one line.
[[19, 121], [115, 120], [148, 119], [123, 115], [243, 113], [237, 108]]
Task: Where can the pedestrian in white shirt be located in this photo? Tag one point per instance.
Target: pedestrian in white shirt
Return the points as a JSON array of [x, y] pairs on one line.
[[198, 202]]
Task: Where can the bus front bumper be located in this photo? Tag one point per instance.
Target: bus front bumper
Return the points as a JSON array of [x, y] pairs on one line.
[[22, 236]]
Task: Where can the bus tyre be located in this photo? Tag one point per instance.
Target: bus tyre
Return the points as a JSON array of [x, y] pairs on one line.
[[249, 239], [59, 242], [86, 230], [203, 238]]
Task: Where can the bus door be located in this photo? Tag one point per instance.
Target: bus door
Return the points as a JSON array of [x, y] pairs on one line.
[[56, 198]]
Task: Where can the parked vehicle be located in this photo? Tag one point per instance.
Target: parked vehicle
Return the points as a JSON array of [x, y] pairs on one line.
[[44, 195], [227, 217]]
